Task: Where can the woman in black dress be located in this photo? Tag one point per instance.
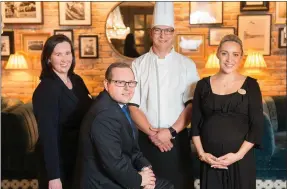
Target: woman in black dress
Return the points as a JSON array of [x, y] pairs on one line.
[[227, 122], [60, 102]]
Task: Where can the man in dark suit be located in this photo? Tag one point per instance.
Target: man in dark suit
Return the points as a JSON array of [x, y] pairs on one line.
[[109, 155]]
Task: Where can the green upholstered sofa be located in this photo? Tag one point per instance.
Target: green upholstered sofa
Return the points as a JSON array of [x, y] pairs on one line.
[[19, 134]]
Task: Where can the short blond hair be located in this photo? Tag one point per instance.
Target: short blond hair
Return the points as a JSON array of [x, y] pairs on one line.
[[231, 37]]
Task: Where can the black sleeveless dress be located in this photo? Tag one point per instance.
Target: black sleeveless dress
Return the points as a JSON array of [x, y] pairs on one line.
[[223, 123]]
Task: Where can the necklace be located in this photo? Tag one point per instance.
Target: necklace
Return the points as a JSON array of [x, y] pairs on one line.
[[66, 80]]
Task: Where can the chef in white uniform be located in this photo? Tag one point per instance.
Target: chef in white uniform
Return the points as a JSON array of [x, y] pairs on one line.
[[161, 106]]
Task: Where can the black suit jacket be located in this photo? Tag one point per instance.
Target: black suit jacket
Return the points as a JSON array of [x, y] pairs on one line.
[[59, 112], [109, 156]]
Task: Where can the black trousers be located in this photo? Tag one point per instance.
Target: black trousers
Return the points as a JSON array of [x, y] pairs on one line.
[[163, 184], [175, 165]]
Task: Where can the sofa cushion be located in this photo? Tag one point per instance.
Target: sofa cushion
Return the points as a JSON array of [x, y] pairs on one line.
[[27, 125], [8, 104], [12, 135], [268, 141], [281, 109], [270, 109]]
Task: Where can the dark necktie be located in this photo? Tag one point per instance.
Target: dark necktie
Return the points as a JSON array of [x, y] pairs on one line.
[[127, 114]]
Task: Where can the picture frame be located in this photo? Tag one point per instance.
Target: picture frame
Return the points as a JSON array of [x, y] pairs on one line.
[[88, 46], [69, 33], [191, 45], [75, 13], [210, 12], [216, 34], [7, 44], [25, 12], [33, 43], [255, 33], [280, 12], [254, 6], [282, 39]]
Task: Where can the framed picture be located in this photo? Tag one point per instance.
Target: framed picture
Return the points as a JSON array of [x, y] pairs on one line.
[[191, 45], [33, 43], [255, 33], [282, 39], [206, 12], [68, 33], [88, 46], [280, 13], [75, 13], [254, 6], [216, 34], [25, 12], [7, 44]]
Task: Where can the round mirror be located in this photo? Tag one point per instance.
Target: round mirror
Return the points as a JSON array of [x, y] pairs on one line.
[[127, 28]]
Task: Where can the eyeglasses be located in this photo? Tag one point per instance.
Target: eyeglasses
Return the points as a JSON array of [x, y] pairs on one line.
[[120, 83], [166, 31]]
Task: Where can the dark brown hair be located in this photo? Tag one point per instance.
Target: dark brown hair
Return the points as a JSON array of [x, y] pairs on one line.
[[48, 49], [108, 74]]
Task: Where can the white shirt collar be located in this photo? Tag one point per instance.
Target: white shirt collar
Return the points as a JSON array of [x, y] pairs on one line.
[[167, 56], [121, 105]]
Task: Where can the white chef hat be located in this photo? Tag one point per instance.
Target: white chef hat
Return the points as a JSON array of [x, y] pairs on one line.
[[163, 14]]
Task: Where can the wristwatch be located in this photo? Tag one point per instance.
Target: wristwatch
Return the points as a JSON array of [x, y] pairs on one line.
[[172, 132]]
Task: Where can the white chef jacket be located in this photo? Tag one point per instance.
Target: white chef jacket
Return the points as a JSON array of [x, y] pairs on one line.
[[164, 86]]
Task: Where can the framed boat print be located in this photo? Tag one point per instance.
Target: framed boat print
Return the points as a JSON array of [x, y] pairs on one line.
[[191, 45], [68, 33], [33, 43], [254, 6], [216, 34], [282, 38], [280, 12], [255, 33], [7, 44], [76, 13], [25, 12], [88, 46], [206, 12]]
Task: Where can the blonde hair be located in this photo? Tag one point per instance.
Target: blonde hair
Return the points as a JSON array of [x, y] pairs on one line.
[[231, 37]]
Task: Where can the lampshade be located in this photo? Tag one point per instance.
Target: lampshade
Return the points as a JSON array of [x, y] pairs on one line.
[[16, 61], [115, 25], [255, 60], [212, 61]]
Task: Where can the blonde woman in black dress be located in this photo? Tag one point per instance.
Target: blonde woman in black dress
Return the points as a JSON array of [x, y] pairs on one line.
[[227, 122]]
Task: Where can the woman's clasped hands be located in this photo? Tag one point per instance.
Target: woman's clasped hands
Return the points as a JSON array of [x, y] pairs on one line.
[[221, 162]]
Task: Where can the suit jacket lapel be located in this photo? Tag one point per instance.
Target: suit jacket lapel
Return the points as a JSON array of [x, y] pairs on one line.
[[68, 92], [124, 119]]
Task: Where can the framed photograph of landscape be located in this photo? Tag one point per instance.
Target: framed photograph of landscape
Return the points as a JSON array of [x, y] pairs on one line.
[[68, 33], [255, 33], [7, 44], [25, 12], [280, 13], [88, 46], [282, 39], [33, 43], [191, 45], [206, 12], [216, 34], [254, 6], [76, 13]]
